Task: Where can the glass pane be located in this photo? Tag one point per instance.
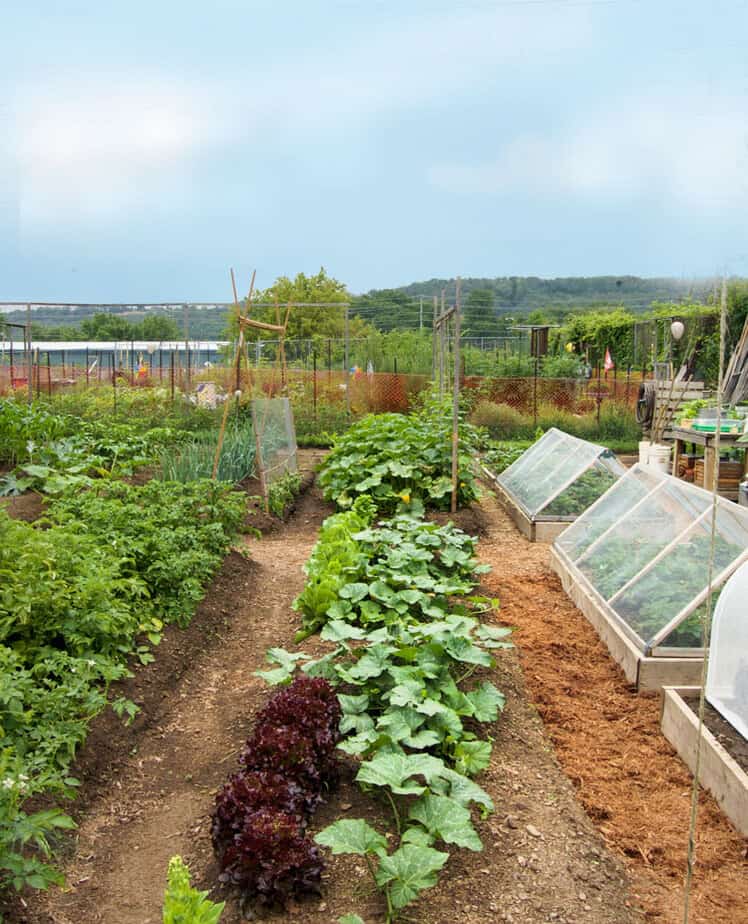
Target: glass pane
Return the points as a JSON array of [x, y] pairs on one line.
[[640, 536], [637, 483], [727, 680], [556, 459], [532, 459], [582, 493], [675, 580]]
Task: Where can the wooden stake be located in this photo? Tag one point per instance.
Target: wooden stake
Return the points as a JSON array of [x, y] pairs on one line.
[[456, 401]]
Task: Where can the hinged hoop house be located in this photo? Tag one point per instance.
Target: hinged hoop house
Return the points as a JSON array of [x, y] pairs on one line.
[[727, 679], [637, 564], [554, 481]]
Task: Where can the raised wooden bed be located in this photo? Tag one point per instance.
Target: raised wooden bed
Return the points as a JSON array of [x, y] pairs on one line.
[[718, 772]]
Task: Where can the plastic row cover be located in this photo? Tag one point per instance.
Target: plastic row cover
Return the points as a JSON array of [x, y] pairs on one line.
[[727, 680]]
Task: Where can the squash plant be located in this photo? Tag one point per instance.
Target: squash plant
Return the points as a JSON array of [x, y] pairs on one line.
[[406, 640], [401, 462]]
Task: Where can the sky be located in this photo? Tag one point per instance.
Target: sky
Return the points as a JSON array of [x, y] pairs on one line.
[[146, 147]]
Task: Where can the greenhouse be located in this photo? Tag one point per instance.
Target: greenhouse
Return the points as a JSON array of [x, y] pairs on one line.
[[554, 481], [727, 680], [637, 564]]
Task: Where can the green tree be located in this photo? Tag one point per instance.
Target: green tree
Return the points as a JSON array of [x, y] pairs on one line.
[[108, 327], [158, 327], [304, 323]]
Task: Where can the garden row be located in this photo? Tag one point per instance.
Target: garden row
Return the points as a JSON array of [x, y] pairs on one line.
[[396, 600], [84, 591]]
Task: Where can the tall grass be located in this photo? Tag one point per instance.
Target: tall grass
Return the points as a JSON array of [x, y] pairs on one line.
[[193, 459]]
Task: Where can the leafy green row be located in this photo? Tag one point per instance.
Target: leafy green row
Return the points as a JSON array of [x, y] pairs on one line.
[[405, 649], [378, 574], [56, 452], [80, 593], [402, 462]]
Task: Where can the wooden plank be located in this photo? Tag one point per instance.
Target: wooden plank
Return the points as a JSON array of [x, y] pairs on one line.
[[718, 772]]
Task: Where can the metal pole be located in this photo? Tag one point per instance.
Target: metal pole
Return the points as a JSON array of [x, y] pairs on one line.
[[186, 309], [49, 375], [420, 315], [535, 392], [456, 401]]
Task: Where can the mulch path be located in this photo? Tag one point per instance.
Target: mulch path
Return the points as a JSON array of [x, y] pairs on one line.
[[607, 739]]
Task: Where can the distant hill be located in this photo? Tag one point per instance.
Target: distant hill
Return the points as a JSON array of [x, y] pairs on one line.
[[528, 293]]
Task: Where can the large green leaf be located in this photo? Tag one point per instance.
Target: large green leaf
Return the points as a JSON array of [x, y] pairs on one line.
[[472, 756], [486, 701], [351, 835], [395, 771], [461, 789], [408, 871], [445, 818]]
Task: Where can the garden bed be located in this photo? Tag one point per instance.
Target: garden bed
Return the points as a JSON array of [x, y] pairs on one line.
[[538, 529], [719, 772], [645, 672]]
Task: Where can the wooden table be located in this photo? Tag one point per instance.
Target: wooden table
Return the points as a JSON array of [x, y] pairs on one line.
[[682, 436]]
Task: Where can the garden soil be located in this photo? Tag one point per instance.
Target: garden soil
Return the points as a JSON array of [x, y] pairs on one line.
[[148, 788], [607, 738]]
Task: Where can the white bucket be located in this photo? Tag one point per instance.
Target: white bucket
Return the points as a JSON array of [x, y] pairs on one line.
[[659, 456], [644, 451]]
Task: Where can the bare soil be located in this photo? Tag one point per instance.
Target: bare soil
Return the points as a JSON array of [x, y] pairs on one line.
[[607, 739], [28, 506], [728, 736]]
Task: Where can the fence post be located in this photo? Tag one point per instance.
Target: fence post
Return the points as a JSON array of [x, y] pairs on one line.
[[535, 394], [314, 381], [30, 357], [49, 375]]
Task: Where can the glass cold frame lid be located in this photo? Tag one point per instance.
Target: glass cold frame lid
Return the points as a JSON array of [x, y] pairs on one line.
[[727, 678], [645, 550], [560, 475]]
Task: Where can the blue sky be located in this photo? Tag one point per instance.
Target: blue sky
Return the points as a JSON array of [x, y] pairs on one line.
[[147, 146]]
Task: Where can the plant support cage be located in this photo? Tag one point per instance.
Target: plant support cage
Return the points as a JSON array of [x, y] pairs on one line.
[[558, 478], [642, 553]]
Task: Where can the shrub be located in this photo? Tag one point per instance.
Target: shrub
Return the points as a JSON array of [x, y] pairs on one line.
[[502, 421]]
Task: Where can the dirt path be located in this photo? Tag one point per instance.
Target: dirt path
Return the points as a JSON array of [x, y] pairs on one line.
[[159, 797], [608, 740]]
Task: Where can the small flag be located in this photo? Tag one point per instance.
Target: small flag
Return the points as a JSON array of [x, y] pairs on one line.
[[608, 364]]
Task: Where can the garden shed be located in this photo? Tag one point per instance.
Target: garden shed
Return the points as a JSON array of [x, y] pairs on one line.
[[554, 481], [637, 564]]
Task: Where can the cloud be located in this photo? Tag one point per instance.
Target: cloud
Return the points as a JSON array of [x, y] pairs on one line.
[[84, 152], [691, 152]]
